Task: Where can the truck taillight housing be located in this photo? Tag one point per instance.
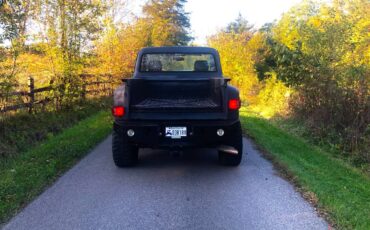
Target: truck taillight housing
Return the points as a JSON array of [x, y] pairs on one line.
[[234, 104], [118, 111]]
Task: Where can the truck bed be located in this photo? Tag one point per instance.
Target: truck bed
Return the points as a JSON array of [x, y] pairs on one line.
[[172, 95]]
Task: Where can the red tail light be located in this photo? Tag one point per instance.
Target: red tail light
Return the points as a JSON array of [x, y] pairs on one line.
[[118, 111], [234, 104]]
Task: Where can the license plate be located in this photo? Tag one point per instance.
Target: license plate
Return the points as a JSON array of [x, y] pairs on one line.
[[175, 132]]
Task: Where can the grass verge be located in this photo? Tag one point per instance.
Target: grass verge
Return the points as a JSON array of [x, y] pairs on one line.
[[336, 188], [22, 131], [24, 176], [331, 142]]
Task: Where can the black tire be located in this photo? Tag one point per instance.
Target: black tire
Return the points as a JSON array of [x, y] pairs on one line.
[[124, 154], [236, 141]]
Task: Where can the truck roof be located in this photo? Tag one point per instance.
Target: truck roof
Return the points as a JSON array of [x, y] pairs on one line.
[[179, 49]]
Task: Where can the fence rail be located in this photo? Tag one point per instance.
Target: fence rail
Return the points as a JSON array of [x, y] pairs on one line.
[[100, 87]]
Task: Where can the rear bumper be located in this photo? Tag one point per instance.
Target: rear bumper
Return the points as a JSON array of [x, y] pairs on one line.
[[199, 133]]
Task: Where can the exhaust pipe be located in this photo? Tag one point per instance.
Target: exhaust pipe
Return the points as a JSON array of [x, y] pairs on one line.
[[228, 149]]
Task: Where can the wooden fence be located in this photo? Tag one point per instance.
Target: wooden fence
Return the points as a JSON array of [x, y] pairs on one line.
[[92, 86]]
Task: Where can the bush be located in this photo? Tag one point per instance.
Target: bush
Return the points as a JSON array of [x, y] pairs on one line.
[[272, 98], [341, 115]]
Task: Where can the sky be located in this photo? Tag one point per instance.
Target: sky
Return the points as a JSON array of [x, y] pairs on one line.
[[208, 16]]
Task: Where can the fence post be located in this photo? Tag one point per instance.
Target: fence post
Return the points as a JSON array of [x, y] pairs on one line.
[[111, 85], [31, 93], [83, 93], [104, 86]]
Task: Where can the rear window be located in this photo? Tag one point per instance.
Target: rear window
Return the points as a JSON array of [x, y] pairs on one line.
[[176, 62]]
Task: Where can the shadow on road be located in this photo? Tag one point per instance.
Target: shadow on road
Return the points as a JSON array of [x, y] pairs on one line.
[[150, 158]]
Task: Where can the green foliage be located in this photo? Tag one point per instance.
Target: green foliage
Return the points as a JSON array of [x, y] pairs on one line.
[[168, 22], [332, 144], [13, 17], [240, 25], [22, 131]]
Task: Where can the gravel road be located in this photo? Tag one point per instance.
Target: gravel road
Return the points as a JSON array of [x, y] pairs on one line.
[[189, 191]]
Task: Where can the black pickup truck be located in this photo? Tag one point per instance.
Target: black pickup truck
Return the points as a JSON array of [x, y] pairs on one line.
[[177, 98]]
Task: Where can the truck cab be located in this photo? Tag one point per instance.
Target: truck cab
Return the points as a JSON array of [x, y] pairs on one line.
[[177, 98]]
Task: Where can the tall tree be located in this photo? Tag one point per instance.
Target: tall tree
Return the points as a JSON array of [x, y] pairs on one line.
[[14, 15], [237, 48], [69, 29], [240, 25], [169, 23]]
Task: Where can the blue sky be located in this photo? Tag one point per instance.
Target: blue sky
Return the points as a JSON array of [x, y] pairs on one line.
[[208, 16]]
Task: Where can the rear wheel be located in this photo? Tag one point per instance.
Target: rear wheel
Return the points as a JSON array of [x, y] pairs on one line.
[[124, 154], [236, 141]]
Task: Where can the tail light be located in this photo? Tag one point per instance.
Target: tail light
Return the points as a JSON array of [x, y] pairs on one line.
[[234, 104], [118, 111]]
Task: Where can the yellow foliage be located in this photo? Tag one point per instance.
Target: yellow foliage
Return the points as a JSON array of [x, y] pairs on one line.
[[237, 53], [238, 56], [30, 64], [272, 98], [118, 48]]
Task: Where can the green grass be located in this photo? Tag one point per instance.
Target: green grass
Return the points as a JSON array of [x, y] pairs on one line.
[[331, 142], [340, 190], [24, 176], [21, 131]]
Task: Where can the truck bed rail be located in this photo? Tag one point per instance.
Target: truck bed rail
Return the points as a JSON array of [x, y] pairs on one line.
[[158, 103]]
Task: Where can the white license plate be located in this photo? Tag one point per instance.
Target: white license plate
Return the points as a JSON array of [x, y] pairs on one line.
[[175, 132]]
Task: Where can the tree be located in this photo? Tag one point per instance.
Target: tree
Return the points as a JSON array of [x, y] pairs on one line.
[[237, 46], [169, 23], [322, 50], [163, 23], [67, 31], [239, 26], [117, 49], [14, 15]]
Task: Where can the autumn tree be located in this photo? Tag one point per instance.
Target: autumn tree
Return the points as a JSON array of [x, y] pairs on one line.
[[322, 50], [117, 49], [14, 15], [69, 29], [163, 23], [237, 46]]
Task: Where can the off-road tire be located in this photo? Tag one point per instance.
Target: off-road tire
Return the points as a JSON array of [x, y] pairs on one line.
[[235, 140], [124, 154]]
